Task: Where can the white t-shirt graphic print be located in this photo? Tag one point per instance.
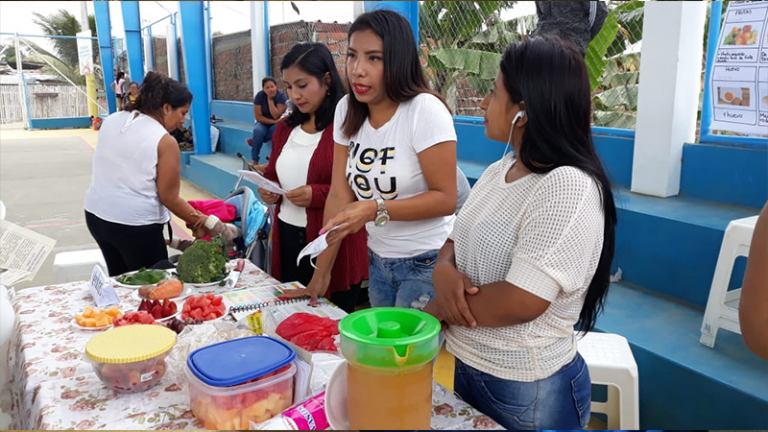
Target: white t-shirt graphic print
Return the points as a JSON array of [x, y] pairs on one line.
[[384, 163]]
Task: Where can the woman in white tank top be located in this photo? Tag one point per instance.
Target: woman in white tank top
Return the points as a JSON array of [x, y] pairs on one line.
[[136, 178]]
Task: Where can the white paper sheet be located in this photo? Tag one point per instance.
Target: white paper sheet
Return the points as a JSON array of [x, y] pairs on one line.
[[22, 249], [262, 182]]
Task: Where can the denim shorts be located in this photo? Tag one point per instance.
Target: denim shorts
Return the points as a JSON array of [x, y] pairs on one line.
[[561, 401], [402, 282]]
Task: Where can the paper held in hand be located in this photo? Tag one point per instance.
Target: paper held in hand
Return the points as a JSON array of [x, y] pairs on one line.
[[316, 247], [262, 182], [22, 252]]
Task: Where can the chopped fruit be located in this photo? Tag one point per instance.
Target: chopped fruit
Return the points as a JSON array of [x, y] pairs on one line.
[[97, 317], [130, 318], [236, 411], [131, 377], [205, 307]]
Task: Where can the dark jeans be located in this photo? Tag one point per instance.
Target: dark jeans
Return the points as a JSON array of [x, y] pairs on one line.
[[261, 133], [561, 401], [292, 241], [127, 248]]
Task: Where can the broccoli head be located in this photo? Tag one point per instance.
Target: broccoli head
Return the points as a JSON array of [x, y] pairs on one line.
[[203, 262]]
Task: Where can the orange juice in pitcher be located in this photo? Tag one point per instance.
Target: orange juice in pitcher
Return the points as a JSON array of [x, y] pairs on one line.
[[389, 373]]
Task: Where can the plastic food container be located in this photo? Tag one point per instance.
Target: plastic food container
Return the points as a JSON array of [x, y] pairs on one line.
[[130, 359], [240, 381]]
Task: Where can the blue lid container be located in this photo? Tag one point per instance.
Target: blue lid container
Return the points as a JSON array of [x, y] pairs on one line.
[[237, 361]]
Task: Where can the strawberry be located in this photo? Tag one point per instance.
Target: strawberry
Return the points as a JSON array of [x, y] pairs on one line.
[[157, 312]]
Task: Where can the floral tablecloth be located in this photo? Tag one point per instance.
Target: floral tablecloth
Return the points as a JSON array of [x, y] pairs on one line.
[[52, 387]]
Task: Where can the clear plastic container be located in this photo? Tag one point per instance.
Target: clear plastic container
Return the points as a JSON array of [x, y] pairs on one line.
[[130, 359], [233, 408], [237, 382]]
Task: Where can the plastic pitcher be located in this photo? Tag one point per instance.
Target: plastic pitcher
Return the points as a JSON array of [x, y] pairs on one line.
[[389, 354]]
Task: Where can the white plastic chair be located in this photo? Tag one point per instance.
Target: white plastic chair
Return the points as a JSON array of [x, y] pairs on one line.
[[611, 363], [76, 264], [723, 305]]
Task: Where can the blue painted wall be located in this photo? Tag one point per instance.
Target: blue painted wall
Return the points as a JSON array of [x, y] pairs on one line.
[[475, 151], [726, 173], [233, 110], [60, 123]]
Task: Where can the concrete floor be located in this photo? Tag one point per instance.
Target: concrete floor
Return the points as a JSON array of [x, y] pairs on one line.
[[43, 179]]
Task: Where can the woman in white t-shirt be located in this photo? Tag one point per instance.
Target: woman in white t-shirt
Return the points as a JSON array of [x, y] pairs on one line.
[[136, 178], [118, 86], [302, 163], [530, 255], [394, 168]]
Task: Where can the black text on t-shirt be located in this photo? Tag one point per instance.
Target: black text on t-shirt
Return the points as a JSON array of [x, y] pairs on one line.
[[361, 163]]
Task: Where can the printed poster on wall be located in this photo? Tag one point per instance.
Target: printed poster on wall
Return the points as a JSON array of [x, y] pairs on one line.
[[740, 76]]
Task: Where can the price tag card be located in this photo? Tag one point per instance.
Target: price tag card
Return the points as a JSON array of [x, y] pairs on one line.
[[101, 288]]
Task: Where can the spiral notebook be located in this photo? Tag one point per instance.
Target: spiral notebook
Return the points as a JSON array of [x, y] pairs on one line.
[[251, 303]]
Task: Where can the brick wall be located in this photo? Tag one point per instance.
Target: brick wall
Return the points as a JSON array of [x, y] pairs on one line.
[[182, 76], [233, 67], [283, 37], [467, 100], [160, 51]]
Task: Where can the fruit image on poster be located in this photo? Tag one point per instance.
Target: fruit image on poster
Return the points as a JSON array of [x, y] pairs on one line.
[[741, 36], [738, 74]]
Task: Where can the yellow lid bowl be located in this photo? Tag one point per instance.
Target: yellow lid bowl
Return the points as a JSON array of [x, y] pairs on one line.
[[130, 344]]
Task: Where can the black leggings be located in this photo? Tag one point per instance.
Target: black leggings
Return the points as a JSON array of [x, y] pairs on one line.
[[292, 241], [127, 248]]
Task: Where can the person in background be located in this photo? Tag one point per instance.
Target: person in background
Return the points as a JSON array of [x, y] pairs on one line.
[[302, 163], [183, 136], [136, 178], [133, 92], [394, 169], [577, 22], [268, 106], [530, 255], [753, 306], [118, 86]]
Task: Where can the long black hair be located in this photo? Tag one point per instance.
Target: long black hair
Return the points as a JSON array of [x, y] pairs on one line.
[[403, 74], [315, 59], [157, 90], [550, 76]]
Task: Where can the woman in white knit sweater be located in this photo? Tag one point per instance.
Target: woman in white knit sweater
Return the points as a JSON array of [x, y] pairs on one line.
[[529, 258]]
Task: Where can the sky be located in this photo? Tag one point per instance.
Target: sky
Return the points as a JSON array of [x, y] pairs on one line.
[[226, 16]]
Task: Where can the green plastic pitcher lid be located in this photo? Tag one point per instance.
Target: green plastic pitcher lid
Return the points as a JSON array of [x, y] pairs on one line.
[[387, 337]]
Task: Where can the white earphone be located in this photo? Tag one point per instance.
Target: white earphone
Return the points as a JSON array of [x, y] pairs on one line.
[[520, 114]]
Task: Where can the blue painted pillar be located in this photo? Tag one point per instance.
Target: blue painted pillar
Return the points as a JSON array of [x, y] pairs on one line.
[[193, 38], [132, 24], [409, 9], [104, 33]]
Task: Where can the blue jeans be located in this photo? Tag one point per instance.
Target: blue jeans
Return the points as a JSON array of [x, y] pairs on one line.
[[261, 133], [401, 282], [562, 401]]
